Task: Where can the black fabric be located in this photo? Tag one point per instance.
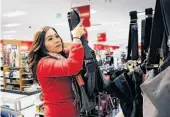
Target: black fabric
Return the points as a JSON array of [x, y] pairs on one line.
[[116, 73], [91, 75], [77, 92], [133, 15], [143, 53], [149, 11], [148, 27], [161, 23], [166, 15], [164, 46], [127, 88], [75, 20], [90, 66], [165, 10], [133, 41]]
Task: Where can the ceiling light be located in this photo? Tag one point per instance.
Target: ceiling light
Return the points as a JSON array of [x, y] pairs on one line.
[[11, 25], [11, 31], [8, 36], [92, 11], [14, 14]]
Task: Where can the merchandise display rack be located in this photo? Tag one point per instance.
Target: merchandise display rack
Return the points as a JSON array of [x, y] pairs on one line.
[[16, 76], [1, 70], [16, 105], [12, 112]]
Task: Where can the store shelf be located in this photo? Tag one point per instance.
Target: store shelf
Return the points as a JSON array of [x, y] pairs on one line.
[[20, 92], [27, 73], [13, 83], [25, 86], [11, 78], [28, 79]]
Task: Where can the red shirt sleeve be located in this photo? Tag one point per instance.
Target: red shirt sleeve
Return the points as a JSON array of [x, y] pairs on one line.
[[50, 67]]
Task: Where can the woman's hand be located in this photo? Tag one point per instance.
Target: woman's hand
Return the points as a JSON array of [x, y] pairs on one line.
[[78, 31]]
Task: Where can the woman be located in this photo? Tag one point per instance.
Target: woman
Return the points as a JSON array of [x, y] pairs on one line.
[[52, 69]]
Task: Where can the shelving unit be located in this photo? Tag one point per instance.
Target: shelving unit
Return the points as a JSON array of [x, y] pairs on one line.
[[11, 51], [1, 68], [11, 58]]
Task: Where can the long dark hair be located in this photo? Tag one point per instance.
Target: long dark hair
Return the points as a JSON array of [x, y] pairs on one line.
[[38, 50]]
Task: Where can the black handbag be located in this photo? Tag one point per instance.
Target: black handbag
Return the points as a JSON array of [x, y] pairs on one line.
[[91, 73]]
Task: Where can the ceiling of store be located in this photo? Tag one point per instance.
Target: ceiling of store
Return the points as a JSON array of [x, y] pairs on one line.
[[113, 17]]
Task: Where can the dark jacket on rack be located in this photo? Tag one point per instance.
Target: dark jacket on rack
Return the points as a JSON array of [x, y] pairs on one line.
[[160, 27], [133, 41], [143, 54], [148, 27], [127, 88]]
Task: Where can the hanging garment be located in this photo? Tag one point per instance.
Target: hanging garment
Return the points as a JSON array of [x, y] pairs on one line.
[[91, 73], [143, 53], [127, 88], [133, 41], [116, 73], [148, 27], [156, 91], [166, 15], [161, 24], [164, 46]]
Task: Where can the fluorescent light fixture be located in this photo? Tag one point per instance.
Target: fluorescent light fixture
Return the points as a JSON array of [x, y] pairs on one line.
[[14, 14], [11, 25], [8, 36], [11, 31], [92, 11]]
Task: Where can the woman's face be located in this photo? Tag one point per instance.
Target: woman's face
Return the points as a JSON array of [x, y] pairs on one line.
[[53, 41]]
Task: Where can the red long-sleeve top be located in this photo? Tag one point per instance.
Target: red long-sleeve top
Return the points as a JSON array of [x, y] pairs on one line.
[[53, 76]]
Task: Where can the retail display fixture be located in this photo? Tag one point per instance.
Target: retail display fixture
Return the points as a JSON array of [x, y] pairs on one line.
[[1, 66], [15, 105], [16, 76]]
